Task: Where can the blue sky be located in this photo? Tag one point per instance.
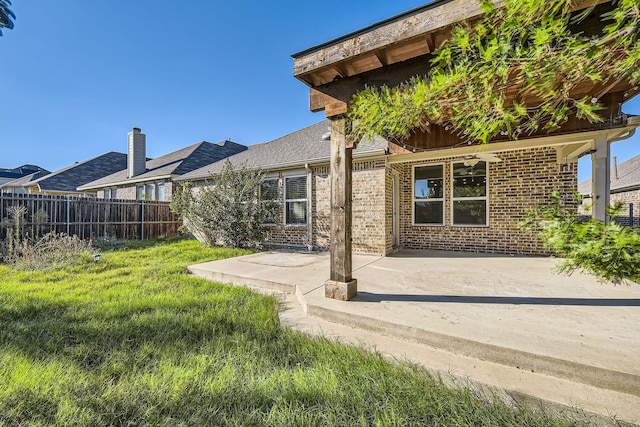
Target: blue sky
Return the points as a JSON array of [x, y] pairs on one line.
[[77, 75]]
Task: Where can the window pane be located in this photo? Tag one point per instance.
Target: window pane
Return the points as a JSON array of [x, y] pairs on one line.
[[114, 193], [269, 189], [161, 192], [296, 212], [470, 212], [150, 194], [428, 182], [428, 213], [470, 181], [272, 212], [296, 187], [140, 192]]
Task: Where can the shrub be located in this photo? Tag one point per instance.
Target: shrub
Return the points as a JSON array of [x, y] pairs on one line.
[[49, 252], [27, 250], [609, 251], [226, 211]]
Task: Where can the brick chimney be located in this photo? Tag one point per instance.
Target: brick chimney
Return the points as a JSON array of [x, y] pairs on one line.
[[136, 153]]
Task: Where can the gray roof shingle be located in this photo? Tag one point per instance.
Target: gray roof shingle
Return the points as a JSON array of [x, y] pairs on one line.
[[628, 178], [25, 180], [176, 163], [21, 171], [70, 178], [300, 147]]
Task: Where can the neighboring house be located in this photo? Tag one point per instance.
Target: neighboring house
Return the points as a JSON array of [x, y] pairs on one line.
[[625, 188], [152, 179], [296, 168], [8, 175], [65, 182]]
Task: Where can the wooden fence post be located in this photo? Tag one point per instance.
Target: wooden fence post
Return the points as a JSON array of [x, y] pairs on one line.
[[141, 219], [68, 213]]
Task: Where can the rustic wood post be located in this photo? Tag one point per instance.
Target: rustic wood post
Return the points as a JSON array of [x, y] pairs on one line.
[[601, 178], [341, 285]]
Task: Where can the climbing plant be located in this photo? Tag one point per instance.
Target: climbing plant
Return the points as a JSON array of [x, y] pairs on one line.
[[514, 71]]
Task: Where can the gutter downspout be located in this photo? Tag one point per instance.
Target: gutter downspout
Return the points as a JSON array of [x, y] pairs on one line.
[[309, 210]]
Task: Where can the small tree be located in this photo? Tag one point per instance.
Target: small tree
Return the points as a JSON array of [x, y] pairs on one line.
[[228, 211], [609, 251], [6, 15]]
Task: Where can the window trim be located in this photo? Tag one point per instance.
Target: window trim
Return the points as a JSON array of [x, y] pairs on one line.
[[441, 199], [454, 199], [305, 200], [277, 200]]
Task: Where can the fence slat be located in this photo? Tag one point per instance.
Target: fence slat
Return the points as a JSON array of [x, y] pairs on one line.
[[92, 218]]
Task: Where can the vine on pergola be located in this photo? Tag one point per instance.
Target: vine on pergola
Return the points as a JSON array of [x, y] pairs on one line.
[[515, 71]]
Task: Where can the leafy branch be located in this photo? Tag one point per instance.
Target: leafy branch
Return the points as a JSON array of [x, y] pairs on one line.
[[521, 68]]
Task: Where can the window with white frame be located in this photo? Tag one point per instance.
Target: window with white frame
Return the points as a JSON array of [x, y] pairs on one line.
[[107, 193], [140, 192], [470, 201], [428, 195], [295, 190], [114, 193], [270, 199]]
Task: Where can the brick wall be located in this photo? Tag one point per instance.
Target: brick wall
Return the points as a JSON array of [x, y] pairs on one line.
[[626, 198], [369, 209], [523, 180]]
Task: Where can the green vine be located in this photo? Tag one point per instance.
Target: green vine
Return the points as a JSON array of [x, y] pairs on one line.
[[513, 72]]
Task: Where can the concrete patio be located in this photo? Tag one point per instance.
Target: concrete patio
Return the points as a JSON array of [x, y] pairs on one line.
[[503, 321]]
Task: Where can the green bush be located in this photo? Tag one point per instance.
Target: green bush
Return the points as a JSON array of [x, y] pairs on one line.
[[226, 211], [609, 251]]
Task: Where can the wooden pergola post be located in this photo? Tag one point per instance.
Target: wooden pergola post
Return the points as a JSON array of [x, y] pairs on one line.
[[341, 285]]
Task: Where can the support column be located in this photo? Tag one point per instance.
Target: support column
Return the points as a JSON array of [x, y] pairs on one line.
[[601, 178], [341, 285]]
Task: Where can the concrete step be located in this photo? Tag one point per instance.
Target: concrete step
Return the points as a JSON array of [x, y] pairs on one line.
[[601, 378], [241, 280], [574, 398]]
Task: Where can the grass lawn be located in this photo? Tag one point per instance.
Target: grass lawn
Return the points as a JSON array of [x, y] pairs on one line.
[[134, 340]]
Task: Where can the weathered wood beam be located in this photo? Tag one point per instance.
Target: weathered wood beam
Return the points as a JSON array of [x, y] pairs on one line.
[[341, 284], [429, 20]]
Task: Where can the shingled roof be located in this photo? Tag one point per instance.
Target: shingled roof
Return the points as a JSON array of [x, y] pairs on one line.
[[21, 171], [295, 149], [25, 180], [70, 178], [628, 178], [173, 164]]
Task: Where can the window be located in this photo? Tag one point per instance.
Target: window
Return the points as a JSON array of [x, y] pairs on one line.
[[140, 192], [107, 193], [470, 202], [114, 193], [428, 195], [295, 189], [150, 193], [160, 189], [270, 199]]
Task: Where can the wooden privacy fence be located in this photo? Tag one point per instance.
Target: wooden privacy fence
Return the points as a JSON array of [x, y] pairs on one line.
[[91, 218]]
